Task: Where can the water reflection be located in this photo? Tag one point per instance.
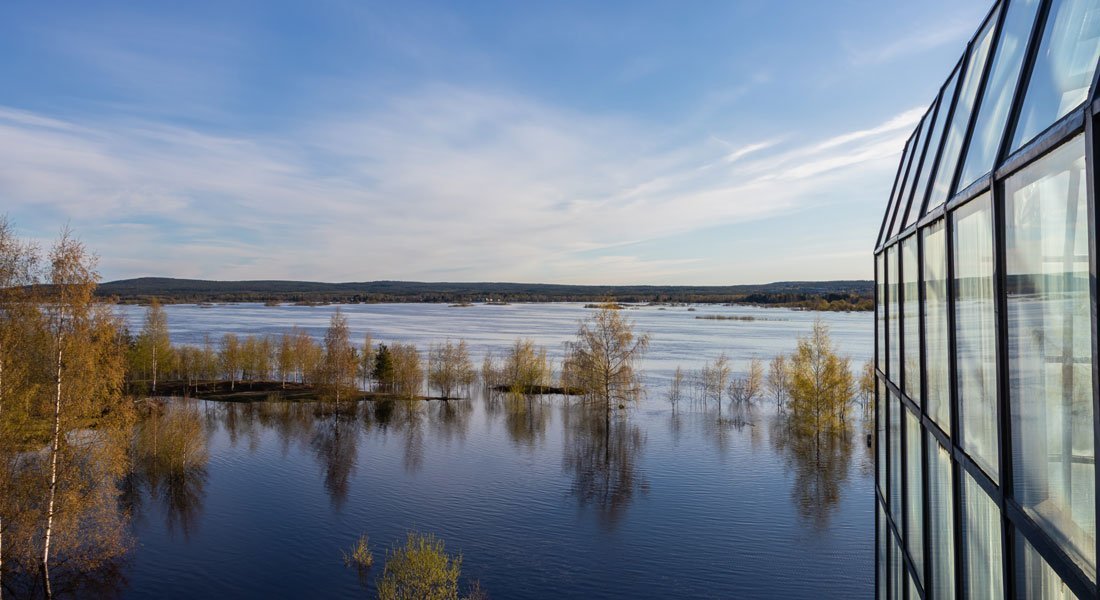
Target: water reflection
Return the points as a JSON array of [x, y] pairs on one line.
[[820, 462], [89, 537], [169, 464], [602, 457], [525, 418], [334, 443]]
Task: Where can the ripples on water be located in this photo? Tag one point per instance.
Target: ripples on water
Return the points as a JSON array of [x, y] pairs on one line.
[[539, 495]]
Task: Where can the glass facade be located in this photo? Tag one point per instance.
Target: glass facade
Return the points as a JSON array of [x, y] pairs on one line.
[[986, 321]]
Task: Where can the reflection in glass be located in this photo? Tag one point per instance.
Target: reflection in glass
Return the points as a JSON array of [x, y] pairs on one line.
[[880, 445], [936, 402], [910, 317], [1035, 580], [880, 309], [940, 524], [898, 207], [914, 491], [1049, 347], [909, 205], [1063, 69], [880, 548], [898, 577], [981, 543], [932, 154], [893, 336], [895, 457], [999, 90], [968, 93], [975, 333]]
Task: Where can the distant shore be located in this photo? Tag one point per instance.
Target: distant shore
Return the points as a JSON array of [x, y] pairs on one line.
[[842, 296]]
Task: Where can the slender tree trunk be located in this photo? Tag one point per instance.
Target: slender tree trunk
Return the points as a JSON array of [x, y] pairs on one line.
[[154, 368], [53, 473]]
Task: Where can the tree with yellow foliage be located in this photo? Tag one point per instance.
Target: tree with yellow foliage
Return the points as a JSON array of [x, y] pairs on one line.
[[821, 386]]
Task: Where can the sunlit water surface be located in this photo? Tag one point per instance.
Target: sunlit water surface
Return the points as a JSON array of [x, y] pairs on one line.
[[540, 502]]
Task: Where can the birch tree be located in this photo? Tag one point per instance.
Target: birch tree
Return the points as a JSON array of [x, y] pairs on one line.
[[602, 359], [88, 371], [154, 348]]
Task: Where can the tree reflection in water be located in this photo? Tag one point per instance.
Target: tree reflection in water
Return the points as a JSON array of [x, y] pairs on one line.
[[335, 444], [526, 418], [821, 463], [602, 456], [168, 463], [90, 534]]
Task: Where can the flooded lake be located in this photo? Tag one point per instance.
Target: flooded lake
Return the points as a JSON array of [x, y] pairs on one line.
[[541, 502]]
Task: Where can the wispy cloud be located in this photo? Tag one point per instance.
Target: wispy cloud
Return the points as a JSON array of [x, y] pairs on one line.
[[924, 37], [441, 182]]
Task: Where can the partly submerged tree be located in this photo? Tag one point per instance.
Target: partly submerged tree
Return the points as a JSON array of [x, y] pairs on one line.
[[821, 385], [153, 351], [382, 371], [779, 379], [450, 368], [408, 374], [526, 367], [744, 389], [420, 570], [602, 360], [341, 361]]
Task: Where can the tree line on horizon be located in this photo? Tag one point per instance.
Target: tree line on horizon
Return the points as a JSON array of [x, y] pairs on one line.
[[825, 296]]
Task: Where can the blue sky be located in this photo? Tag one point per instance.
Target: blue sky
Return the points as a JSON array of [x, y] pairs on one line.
[[573, 142]]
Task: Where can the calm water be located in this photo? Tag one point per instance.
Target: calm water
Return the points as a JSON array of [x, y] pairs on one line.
[[541, 501]]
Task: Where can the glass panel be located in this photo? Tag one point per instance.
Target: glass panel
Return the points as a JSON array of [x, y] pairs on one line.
[[914, 513], [881, 445], [982, 538], [1035, 580], [918, 164], [925, 180], [964, 106], [999, 90], [1049, 348], [895, 458], [881, 549], [936, 402], [1063, 69], [975, 333], [897, 566], [914, 594], [894, 372], [906, 183], [940, 524], [910, 317], [880, 309]]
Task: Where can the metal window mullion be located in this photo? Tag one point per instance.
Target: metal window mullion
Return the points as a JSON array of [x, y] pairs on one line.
[[926, 544], [953, 397], [1091, 151], [1000, 316]]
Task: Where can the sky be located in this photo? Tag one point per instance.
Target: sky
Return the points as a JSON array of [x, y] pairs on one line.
[[691, 143]]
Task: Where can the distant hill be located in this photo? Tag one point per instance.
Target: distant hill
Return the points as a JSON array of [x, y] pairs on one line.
[[818, 295]]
